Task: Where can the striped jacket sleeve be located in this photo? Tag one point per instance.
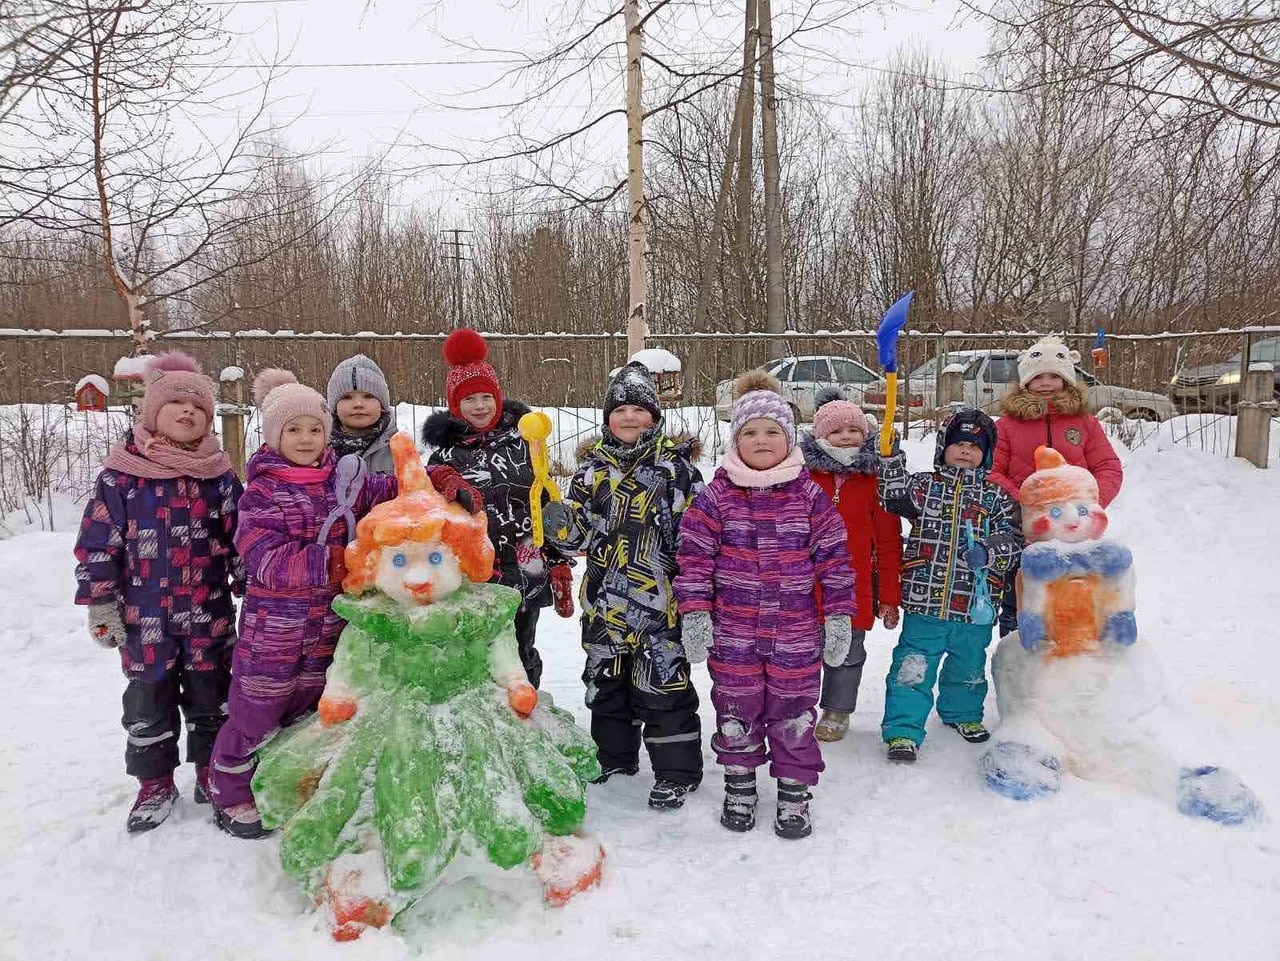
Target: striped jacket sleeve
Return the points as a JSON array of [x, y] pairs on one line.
[[272, 556], [831, 565], [578, 502], [100, 546], [700, 531]]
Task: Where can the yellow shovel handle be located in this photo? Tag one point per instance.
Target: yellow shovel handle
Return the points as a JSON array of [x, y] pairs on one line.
[[890, 409]]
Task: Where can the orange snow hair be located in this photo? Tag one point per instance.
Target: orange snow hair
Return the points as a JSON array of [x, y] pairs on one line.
[[1056, 481], [420, 514]]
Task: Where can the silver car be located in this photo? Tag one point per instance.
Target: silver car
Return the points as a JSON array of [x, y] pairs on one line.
[[802, 378]]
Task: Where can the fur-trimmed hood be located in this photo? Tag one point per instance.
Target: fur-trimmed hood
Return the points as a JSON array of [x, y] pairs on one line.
[[1020, 404], [442, 429], [816, 458]]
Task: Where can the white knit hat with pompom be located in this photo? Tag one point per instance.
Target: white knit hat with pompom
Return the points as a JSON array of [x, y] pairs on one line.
[[280, 398]]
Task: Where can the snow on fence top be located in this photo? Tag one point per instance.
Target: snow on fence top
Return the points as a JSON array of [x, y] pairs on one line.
[[659, 361], [98, 382], [230, 374], [130, 368]]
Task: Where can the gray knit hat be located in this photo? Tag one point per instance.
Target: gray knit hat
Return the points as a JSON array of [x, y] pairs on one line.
[[358, 373], [760, 395]]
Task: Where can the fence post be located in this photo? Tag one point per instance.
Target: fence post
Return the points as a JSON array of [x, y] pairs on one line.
[[231, 413], [1254, 412]]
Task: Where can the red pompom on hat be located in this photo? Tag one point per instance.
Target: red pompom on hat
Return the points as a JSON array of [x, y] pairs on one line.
[[467, 355]]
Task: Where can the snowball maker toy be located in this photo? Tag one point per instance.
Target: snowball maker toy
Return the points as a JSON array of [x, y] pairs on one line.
[[535, 428], [1077, 694], [430, 747]]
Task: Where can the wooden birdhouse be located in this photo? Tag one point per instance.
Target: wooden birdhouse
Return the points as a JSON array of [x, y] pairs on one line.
[[92, 392], [666, 370]]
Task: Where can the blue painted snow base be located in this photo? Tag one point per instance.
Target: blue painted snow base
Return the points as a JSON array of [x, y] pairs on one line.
[[1019, 771], [1218, 795]]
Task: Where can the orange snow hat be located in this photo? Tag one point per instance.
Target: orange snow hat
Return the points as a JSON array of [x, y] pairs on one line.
[[1056, 481]]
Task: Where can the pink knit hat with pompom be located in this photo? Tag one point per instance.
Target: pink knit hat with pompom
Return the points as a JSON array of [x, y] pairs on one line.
[[172, 378], [280, 398], [832, 411]]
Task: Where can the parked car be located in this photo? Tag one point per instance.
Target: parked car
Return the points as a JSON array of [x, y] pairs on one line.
[[1216, 387], [801, 379], [988, 374]]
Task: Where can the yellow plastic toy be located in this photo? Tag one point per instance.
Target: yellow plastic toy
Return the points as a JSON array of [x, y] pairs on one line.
[[535, 428]]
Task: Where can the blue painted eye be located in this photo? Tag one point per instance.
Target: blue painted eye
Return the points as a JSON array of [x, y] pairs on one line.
[[399, 560], [1082, 511], [1055, 512], [436, 558]]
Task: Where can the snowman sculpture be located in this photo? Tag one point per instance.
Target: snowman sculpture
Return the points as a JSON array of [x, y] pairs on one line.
[[430, 749], [1076, 691]]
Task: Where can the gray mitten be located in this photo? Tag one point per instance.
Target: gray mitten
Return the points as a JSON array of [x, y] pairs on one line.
[[105, 625], [695, 632], [557, 521], [837, 635]]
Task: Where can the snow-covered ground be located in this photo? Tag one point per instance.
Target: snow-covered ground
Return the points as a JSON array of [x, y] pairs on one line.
[[912, 863]]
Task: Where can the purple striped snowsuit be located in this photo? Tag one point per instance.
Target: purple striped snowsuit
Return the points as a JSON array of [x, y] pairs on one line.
[[288, 632], [754, 557]]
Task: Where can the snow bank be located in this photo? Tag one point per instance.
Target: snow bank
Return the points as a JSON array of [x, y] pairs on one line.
[[130, 368]]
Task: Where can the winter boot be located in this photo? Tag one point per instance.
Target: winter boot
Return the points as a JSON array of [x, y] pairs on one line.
[[902, 749], [668, 795], [153, 804], [793, 820], [739, 813], [202, 784], [833, 725], [608, 772], [971, 731], [241, 821]]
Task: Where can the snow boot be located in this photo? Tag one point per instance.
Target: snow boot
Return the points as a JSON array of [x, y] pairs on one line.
[[833, 725], [793, 820], [241, 821], [739, 813], [153, 805], [902, 749], [668, 795], [202, 784], [971, 731], [608, 772]]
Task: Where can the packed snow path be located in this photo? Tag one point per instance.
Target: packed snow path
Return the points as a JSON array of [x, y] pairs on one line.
[[912, 863]]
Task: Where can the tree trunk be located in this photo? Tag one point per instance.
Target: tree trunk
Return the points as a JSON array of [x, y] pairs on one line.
[[774, 304], [746, 144], [637, 327]]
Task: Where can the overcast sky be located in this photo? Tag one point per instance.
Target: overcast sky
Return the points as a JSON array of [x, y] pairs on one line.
[[439, 62]]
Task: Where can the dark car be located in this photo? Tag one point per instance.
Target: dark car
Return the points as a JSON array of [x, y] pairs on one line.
[[1216, 387]]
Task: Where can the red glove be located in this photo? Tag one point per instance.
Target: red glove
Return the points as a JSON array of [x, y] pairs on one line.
[[337, 564], [454, 488], [562, 589]]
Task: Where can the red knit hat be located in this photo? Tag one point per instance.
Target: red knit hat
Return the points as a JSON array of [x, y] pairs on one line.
[[467, 355]]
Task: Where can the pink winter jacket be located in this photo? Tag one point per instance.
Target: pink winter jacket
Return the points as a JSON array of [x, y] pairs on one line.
[[1066, 426]]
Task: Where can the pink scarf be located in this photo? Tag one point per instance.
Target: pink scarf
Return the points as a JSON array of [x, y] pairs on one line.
[[783, 473], [154, 458], [301, 475]]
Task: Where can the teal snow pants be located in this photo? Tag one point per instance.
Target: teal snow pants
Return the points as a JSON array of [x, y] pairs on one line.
[[909, 688]]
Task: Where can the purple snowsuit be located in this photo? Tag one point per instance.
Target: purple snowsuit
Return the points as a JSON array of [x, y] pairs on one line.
[[288, 632], [754, 558]]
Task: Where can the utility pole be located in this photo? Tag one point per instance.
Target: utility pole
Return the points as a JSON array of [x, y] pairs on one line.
[[456, 256], [637, 327]]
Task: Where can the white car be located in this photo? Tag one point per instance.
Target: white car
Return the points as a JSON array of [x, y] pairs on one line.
[[802, 378], [988, 375]]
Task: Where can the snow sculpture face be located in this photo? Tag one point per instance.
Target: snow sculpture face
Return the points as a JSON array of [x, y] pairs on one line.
[[417, 573], [1071, 521], [1060, 502]]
